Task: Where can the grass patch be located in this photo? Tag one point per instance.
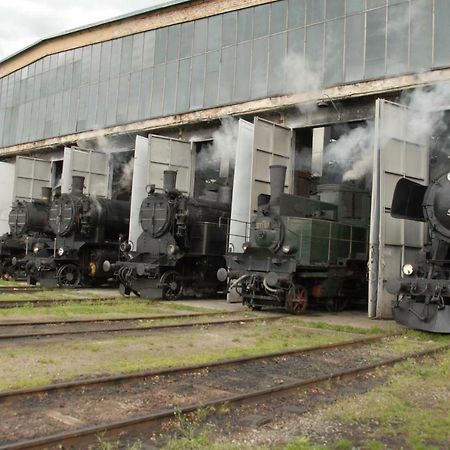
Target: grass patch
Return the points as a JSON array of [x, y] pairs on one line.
[[410, 411], [74, 358], [344, 328]]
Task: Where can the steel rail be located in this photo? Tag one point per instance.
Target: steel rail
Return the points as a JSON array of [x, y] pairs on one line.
[[9, 337], [113, 379], [152, 420], [19, 289], [25, 323], [6, 304]]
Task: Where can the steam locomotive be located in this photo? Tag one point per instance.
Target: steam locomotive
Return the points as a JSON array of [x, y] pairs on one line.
[[88, 230], [181, 247], [303, 249], [29, 234], [423, 291]]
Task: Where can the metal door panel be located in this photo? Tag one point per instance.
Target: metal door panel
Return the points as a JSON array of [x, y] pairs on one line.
[[31, 175], [167, 153], [6, 194], [272, 144], [398, 153], [94, 166]]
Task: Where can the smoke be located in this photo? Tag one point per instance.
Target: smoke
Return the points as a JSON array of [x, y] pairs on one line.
[[352, 153], [427, 110], [126, 178], [222, 151]]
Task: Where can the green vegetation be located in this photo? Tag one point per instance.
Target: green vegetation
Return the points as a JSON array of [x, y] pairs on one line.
[[344, 328]]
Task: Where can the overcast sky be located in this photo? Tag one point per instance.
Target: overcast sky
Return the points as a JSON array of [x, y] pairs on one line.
[[23, 22]]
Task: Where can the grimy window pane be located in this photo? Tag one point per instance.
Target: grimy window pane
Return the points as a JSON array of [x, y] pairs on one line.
[[158, 90], [105, 60], [92, 106], [200, 36], [354, 48], [126, 54], [355, 6], [375, 42], [296, 13], [116, 51], [335, 8], [243, 62], [277, 54], [197, 81], [64, 115], [113, 89], [170, 87], [187, 37], [133, 99], [315, 11], [261, 21], [122, 98], [95, 65], [314, 49], [375, 3], [259, 68], [138, 49], [441, 30], [73, 108], [59, 81], [76, 77], [85, 66], [214, 32], [161, 45], [145, 97], [212, 78], [228, 62], [184, 76], [245, 24], [334, 52], [421, 34], [100, 117], [229, 28], [68, 73], [397, 38], [149, 49], [173, 42], [278, 16]]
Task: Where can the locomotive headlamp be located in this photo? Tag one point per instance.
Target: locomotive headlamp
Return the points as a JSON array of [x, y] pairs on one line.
[[35, 249], [408, 269], [172, 249], [245, 246], [288, 249], [60, 251]]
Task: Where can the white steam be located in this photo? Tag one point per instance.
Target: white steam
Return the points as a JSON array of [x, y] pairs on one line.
[[126, 179], [352, 153], [222, 151]]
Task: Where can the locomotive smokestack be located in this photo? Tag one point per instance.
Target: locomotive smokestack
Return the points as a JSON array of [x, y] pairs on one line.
[[170, 180], [277, 178], [46, 194], [77, 185]]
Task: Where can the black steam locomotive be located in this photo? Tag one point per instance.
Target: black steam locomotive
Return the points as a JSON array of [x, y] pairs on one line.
[[303, 249], [29, 235], [423, 291], [181, 247], [88, 230]]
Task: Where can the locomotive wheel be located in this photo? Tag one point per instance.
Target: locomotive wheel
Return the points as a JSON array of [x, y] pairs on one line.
[[297, 299], [172, 286], [336, 304], [68, 275]]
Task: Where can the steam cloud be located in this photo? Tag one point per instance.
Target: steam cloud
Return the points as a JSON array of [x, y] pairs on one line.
[[222, 151]]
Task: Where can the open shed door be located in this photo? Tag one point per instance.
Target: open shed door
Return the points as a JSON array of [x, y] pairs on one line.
[[240, 205], [31, 175], [167, 153], [6, 194], [398, 152], [94, 166], [152, 156], [272, 144]]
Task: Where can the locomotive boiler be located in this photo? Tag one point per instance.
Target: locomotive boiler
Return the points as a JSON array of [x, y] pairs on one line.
[[303, 249], [181, 247], [423, 290], [88, 230], [29, 234]]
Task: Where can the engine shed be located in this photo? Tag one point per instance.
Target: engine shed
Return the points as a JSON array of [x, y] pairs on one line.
[[343, 90]]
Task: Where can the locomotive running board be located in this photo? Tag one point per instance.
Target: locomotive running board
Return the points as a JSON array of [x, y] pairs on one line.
[[423, 317]]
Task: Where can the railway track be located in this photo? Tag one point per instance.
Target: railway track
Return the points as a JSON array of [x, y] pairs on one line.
[[46, 333], [75, 413], [18, 289], [5, 304]]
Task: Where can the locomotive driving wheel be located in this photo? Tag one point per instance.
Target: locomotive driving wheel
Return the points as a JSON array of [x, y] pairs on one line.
[[297, 299], [171, 284], [337, 304], [68, 275]]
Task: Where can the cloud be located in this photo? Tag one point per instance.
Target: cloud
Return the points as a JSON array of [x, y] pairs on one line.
[[24, 22]]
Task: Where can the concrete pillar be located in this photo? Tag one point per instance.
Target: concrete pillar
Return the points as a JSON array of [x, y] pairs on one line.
[[321, 138]]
